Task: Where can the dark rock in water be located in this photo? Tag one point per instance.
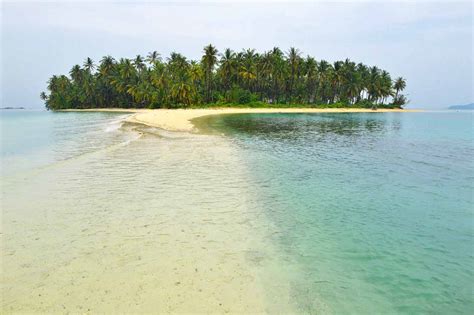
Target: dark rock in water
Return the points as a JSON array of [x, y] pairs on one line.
[[12, 108], [467, 106]]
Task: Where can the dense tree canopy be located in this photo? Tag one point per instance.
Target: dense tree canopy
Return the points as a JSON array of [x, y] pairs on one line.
[[271, 78]]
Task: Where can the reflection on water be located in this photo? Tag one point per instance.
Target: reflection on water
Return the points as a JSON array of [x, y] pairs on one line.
[[289, 126]]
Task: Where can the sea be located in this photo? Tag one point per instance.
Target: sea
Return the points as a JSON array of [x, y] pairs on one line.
[[328, 213]]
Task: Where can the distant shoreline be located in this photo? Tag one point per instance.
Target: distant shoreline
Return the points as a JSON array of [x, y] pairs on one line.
[[462, 107], [181, 119]]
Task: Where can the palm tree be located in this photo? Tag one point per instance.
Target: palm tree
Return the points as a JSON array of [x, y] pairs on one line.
[[89, 65], [160, 83], [106, 69], [127, 70], [153, 57], [278, 73], [293, 56], [399, 85], [311, 76], [248, 70], [209, 60], [385, 85], [106, 65], [353, 87], [227, 67], [337, 81], [196, 73], [364, 74], [139, 63], [76, 74], [373, 85], [265, 69], [182, 93], [123, 78], [325, 71]]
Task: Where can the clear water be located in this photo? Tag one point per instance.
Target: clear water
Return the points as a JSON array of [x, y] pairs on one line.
[[309, 213], [375, 209], [31, 139]]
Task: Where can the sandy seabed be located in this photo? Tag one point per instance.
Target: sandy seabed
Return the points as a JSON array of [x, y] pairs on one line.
[[165, 223]]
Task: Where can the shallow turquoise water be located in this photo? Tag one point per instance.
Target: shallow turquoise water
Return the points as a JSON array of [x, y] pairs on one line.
[[35, 138], [375, 209], [370, 213]]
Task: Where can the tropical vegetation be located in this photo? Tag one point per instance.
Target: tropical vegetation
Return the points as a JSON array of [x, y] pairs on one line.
[[247, 78]]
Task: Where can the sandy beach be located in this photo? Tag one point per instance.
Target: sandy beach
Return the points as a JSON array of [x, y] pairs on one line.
[[181, 119]]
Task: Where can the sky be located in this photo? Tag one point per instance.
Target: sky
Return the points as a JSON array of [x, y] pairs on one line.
[[428, 43]]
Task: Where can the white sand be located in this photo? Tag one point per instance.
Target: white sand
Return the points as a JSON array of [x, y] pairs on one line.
[[180, 119]]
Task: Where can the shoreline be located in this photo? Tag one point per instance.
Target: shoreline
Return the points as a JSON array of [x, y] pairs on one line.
[[181, 119]]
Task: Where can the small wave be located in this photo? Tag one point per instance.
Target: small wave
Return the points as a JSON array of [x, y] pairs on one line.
[[112, 127], [61, 162], [155, 131], [115, 124]]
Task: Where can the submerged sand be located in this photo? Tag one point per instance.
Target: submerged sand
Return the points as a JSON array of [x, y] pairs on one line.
[[167, 223], [181, 119]]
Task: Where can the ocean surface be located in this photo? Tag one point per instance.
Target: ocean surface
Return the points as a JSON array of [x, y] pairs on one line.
[[305, 213]]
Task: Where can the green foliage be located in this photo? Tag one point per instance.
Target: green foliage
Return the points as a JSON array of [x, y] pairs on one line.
[[239, 95], [271, 79], [365, 104], [399, 101]]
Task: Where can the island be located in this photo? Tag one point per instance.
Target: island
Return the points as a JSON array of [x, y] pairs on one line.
[[462, 107], [245, 79]]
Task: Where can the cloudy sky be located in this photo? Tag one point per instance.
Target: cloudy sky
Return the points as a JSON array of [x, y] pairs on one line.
[[428, 43]]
